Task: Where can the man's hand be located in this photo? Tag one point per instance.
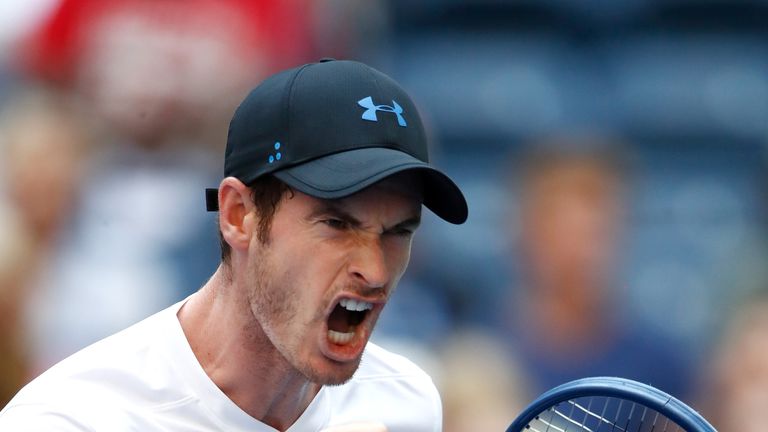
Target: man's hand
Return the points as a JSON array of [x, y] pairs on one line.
[[357, 427]]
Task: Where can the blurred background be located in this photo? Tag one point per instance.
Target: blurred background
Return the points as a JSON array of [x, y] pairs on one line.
[[612, 152]]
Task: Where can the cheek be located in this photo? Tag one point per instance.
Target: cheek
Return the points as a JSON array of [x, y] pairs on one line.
[[309, 272], [399, 253]]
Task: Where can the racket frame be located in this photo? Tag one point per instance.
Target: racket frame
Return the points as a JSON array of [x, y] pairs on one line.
[[615, 387]]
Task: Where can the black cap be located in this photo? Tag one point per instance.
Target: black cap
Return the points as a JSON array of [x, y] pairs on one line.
[[330, 129]]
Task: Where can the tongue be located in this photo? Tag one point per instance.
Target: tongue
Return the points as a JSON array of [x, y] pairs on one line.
[[339, 321]]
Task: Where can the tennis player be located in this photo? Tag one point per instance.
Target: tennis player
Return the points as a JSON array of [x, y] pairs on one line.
[[326, 171]]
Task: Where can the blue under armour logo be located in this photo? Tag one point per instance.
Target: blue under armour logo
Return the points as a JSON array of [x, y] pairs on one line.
[[371, 108]]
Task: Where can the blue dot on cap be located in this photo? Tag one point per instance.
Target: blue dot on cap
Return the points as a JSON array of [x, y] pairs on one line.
[[278, 155]]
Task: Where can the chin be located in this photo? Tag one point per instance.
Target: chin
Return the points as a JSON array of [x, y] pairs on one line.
[[332, 373]]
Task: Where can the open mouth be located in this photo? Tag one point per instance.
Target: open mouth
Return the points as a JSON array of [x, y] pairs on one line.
[[345, 318]]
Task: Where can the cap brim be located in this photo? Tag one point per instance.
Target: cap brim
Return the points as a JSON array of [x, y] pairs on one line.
[[342, 174]]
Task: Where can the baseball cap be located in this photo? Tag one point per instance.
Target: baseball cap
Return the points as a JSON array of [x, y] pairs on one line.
[[330, 129]]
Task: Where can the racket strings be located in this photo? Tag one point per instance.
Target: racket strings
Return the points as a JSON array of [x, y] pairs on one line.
[[601, 414]]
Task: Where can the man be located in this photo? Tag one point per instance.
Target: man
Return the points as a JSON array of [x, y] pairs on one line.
[[326, 169], [566, 316]]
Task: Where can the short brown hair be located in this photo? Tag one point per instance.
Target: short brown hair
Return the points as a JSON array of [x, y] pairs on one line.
[[266, 193]]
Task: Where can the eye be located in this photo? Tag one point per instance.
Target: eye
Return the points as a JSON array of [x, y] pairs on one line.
[[337, 224], [401, 232]]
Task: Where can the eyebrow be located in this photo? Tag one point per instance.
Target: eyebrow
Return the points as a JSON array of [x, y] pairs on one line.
[[410, 224], [333, 208]]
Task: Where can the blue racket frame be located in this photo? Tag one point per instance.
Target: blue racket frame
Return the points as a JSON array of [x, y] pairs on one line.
[[685, 416]]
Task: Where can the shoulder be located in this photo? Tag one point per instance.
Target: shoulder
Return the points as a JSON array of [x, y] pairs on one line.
[[392, 389], [113, 378], [77, 413], [51, 403], [40, 417]]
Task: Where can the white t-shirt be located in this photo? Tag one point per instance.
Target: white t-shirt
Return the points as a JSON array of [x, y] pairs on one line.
[[146, 378]]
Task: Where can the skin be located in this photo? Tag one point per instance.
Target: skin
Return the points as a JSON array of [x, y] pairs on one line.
[[571, 214], [259, 326]]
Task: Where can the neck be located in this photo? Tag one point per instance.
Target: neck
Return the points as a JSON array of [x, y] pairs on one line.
[[239, 358]]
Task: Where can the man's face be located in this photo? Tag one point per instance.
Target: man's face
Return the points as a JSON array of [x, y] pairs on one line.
[[319, 283]]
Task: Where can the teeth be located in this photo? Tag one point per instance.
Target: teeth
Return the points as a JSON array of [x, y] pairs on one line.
[[340, 338], [354, 305]]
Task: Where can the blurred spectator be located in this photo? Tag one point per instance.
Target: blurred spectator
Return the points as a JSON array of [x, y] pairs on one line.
[[160, 80], [43, 144], [14, 251], [156, 78], [736, 383], [566, 319], [482, 387], [262, 32]]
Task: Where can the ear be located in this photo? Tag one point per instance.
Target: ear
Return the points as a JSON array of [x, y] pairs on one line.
[[236, 216]]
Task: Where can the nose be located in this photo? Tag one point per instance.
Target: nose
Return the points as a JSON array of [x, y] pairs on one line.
[[369, 264]]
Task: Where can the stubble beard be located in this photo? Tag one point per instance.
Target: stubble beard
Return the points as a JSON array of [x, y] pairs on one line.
[[274, 307]]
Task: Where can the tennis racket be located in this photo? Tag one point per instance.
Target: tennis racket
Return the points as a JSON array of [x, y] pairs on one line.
[[602, 404]]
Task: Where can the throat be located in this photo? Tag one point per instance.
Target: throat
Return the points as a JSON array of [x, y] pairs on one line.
[[282, 393], [284, 412]]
